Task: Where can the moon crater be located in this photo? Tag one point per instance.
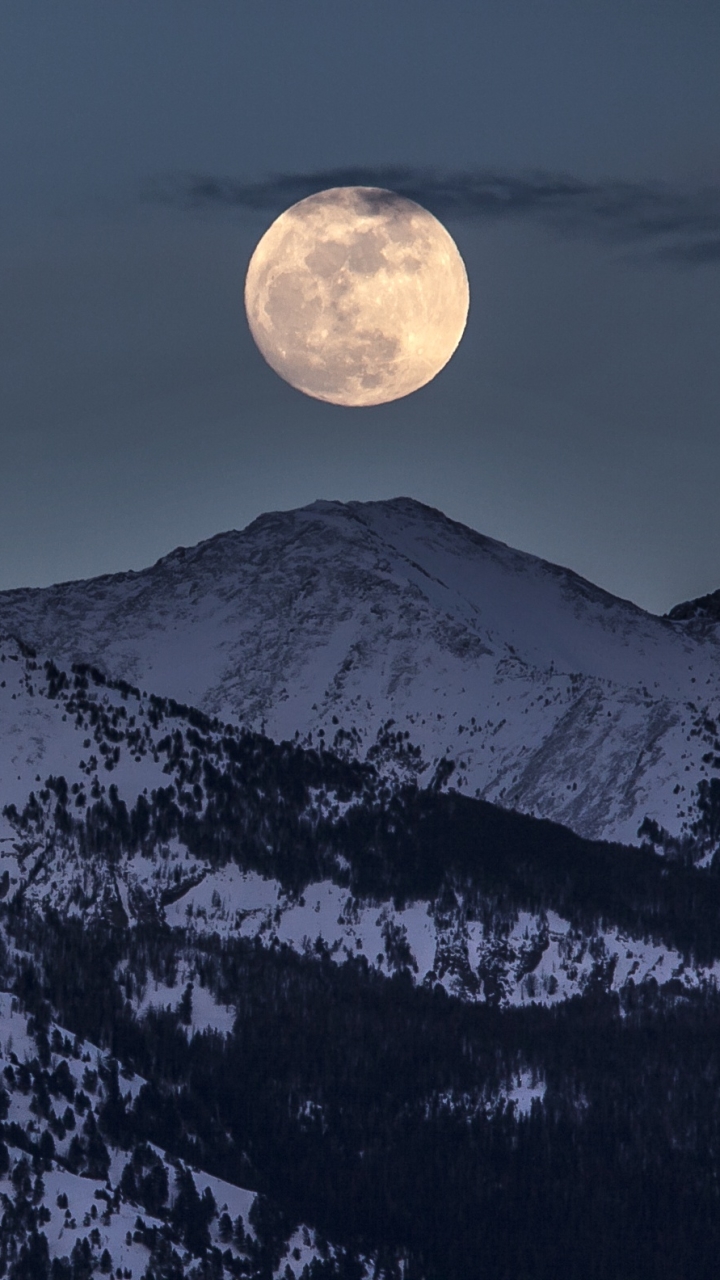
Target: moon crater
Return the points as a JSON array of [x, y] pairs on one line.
[[356, 296]]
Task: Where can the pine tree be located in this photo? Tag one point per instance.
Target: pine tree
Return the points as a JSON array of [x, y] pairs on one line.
[[33, 1262], [189, 1214], [186, 1005]]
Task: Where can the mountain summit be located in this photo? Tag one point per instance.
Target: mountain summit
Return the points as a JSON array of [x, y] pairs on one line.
[[387, 631], [386, 1019]]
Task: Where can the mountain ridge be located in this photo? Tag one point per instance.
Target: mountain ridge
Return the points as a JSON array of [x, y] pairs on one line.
[[334, 620]]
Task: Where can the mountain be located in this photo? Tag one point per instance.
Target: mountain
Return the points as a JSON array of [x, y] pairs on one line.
[[395, 635], [123, 808], [280, 958]]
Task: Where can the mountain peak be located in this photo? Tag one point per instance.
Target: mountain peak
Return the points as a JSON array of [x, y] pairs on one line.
[[394, 633]]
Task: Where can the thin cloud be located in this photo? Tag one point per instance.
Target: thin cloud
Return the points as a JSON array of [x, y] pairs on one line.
[[674, 225], [695, 254]]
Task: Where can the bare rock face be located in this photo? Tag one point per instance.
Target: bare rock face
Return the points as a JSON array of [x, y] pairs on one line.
[[703, 609], [390, 633]]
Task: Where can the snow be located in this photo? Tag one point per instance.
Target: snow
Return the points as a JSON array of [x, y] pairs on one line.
[[231, 902], [390, 620], [347, 616], [81, 1200], [13, 1029], [95, 1209], [524, 1091], [445, 947], [207, 1013], [398, 636]]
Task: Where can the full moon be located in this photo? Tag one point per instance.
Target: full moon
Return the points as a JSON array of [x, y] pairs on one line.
[[357, 296]]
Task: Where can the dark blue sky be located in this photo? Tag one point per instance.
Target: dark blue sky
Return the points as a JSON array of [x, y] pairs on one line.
[[573, 150]]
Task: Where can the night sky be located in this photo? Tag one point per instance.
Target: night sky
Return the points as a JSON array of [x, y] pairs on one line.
[[571, 148]]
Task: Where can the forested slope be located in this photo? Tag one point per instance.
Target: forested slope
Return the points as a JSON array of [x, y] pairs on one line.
[[426, 1037]]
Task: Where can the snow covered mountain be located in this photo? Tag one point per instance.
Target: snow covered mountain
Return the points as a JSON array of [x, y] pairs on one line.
[[270, 1003], [122, 808], [389, 632]]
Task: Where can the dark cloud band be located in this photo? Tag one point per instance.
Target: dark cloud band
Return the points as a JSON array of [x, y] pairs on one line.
[[667, 223]]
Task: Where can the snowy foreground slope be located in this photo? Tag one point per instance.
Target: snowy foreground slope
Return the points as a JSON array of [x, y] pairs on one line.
[[395, 634], [66, 1193]]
